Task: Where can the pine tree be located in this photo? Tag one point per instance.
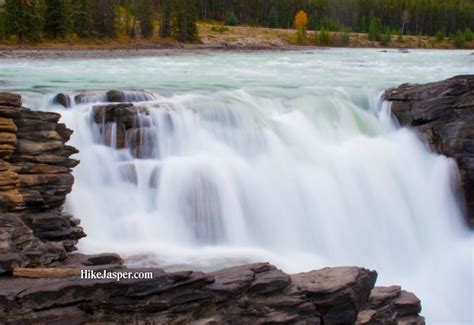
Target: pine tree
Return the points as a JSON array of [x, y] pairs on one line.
[[184, 21], [375, 28], [166, 7], [106, 17], [231, 19], [58, 20], [3, 29], [80, 19], [24, 19], [146, 19], [273, 18]]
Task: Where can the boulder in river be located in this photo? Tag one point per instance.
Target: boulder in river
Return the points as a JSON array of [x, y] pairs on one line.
[[443, 112], [62, 99]]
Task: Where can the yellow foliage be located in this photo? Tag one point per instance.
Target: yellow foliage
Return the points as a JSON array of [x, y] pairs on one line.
[[301, 19]]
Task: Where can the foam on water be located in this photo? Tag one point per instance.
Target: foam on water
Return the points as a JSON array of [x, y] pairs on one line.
[[288, 158]]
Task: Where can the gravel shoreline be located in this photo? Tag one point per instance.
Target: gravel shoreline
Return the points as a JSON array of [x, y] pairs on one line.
[[118, 53]]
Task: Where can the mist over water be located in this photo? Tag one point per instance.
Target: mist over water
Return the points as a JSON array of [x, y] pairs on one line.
[[283, 157]]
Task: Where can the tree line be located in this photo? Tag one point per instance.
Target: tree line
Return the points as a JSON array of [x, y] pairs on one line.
[[37, 19], [415, 17], [34, 20]]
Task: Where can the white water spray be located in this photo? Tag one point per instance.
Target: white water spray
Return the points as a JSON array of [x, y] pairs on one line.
[[302, 176]]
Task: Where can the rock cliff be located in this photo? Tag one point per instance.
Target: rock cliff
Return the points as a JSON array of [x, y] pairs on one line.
[[443, 112], [35, 177]]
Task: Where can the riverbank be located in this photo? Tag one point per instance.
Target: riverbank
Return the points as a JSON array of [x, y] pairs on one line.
[[212, 38]]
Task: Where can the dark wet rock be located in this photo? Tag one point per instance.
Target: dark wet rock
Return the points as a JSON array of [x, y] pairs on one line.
[[391, 305], [127, 96], [8, 99], [443, 113], [35, 177], [249, 294], [115, 96], [63, 100], [349, 287], [77, 259], [126, 121]]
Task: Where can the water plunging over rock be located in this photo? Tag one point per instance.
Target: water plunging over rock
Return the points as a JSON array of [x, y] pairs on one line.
[[443, 112], [35, 176]]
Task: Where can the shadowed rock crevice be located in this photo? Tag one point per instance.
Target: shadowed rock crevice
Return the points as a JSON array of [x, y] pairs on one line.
[[443, 112]]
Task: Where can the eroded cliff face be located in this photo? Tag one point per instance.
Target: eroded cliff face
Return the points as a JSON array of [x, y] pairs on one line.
[[443, 112], [35, 177]]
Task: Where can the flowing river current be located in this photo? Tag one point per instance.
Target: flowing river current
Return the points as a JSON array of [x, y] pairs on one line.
[[286, 157]]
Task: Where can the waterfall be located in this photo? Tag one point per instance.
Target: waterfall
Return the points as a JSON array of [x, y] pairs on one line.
[[269, 156], [303, 180]]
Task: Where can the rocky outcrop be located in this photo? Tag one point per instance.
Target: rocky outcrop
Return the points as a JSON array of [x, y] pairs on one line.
[[115, 96], [125, 125], [391, 305], [250, 294], [35, 177], [443, 112], [63, 100]]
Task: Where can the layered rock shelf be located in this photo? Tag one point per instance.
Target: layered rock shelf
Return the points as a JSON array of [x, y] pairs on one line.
[[443, 113], [250, 294], [35, 177]]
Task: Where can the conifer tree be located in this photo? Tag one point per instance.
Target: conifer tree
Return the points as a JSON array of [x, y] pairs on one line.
[[166, 7], [24, 19], [82, 18], [231, 19], [57, 16], [184, 20], [3, 29], [375, 29], [146, 19], [273, 18]]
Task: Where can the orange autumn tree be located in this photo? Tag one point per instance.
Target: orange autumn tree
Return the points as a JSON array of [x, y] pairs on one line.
[[301, 21]]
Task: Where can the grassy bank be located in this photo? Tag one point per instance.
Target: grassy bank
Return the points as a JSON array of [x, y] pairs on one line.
[[219, 36]]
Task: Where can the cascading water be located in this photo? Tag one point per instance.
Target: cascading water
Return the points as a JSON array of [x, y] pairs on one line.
[[303, 176]]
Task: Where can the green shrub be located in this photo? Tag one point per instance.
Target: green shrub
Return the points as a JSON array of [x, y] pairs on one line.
[[324, 37], [346, 37], [440, 35], [387, 38], [468, 36], [459, 40], [231, 19], [400, 37]]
